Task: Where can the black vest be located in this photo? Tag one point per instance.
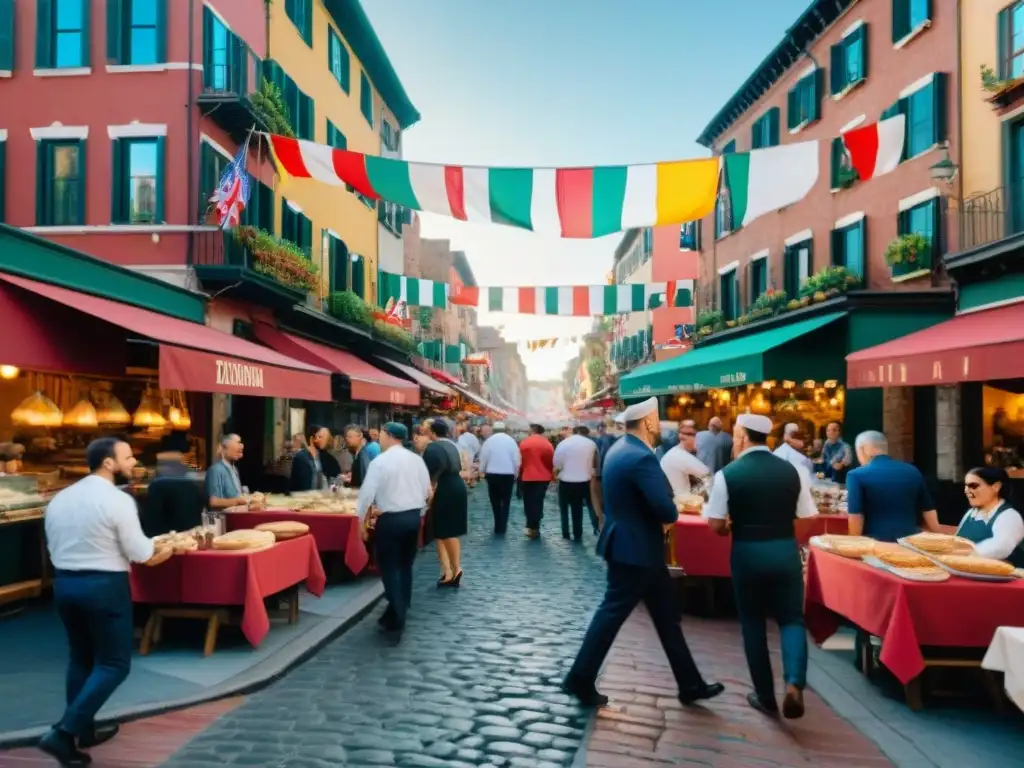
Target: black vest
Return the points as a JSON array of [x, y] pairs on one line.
[[763, 494]]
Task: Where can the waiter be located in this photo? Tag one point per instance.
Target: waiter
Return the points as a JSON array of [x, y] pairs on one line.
[[758, 496], [638, 509], [397, 484], [93, 534]]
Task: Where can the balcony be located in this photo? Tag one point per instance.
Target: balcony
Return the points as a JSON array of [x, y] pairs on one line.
[[230, 97], [990, 217]]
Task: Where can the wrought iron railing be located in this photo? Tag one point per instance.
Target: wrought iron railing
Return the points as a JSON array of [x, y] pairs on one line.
[[986, 218], [216, 248]]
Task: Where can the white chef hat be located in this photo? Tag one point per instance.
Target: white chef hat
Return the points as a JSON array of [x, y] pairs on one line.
[[637, 411], [755, 422]]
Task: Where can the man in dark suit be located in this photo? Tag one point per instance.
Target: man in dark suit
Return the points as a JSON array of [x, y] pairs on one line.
[[638, 509]]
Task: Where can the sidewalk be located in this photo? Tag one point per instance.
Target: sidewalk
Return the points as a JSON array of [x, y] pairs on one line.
[[646, 726]]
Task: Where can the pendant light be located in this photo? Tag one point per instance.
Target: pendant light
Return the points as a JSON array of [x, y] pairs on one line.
[[37, 410], [113, 413], [148, 413], [9, 372], [178, 415], [82, 414]]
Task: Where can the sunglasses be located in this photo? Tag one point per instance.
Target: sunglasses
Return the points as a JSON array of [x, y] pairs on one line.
[[972, 486]]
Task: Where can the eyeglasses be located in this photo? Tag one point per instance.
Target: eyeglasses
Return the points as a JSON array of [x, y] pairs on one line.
[[687, 434], [972, 486]]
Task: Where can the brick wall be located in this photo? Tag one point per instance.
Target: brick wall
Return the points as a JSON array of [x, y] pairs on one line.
[[898, 421], [947, 424]]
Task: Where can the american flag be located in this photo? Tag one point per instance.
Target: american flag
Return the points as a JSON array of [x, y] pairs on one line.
[[232, 194]]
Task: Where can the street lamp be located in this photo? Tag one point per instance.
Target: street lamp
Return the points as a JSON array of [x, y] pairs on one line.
[[945, 170]]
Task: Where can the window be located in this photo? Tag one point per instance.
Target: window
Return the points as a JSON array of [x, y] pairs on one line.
[[766, 130], [723, 212], [1010, 33], [689, 236], [211, 167], [925, 112], [757, 272], [62, 34], [368, 202], [391, 216], [136, 31], [60, 183], [850, 60], [137, 179], [301, 14], [3, 173], [259, 212], [366, 98], [646, 244], [803, 103], [848, 247], [337, 262], [301, 112], [225, 57], [358, 275], [296, 228], [388, 135], [6, 35], [908, 15], [728, 295], [922, 219], [338, 59], [335, 138], [798, 260], [843, 174]]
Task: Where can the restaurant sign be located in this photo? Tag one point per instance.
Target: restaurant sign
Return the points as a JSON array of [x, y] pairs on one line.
[[938, 368], [193, 370], [240, 375]]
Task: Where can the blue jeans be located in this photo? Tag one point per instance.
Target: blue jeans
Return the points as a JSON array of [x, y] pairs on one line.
[[767, 577], [397, 538], [96, 610]]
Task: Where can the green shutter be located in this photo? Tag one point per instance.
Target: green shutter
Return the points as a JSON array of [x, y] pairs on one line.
[[43, 181], [838, 72], [938, 241], [940, 94], [863, 225], [117, 183], [82, 186], [1003, 44], [382, 211], [773, 127], [837, 161], [310, 118], [161, 31], [792, 114], [836, 256], [307, 236], [208, 47], [3, 177], [206, 171], [44, 34], [86, 59], [862, 35], [6, 35], [817, 89], [161, 165], [346, 68], [115, 30], [900, 19]]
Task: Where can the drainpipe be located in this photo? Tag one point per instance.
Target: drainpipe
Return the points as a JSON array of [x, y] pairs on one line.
[[191, 217], [960, 113]]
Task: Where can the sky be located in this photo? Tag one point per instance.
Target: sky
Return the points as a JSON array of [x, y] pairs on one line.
[[564, 83]]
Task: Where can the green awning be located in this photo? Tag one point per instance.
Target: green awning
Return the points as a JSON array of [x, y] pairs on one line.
[[779, 353]]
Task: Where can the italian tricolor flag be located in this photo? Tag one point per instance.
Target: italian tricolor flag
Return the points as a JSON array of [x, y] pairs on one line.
[[577, 300], [876, 149], [766, 180], [564, 202], [414, 291]]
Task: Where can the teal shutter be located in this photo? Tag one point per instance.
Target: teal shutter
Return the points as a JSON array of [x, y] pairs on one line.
[[3, 178], [940, 93], [773, 127], [310, 118], [817, 89], [837, 257], [729, 148], [161, 164], [43, 183], [346, 68], [837, 58], [307, 236], [161, 32], [208, 47], [837, 161], [938, 241], [206, 171], [82, 186], [117, 183], [115, 30], [865, 57], [863, 272], [1003, 44], [44, 34], [792, 107], [6, 35], [900, 19], [86, 56]]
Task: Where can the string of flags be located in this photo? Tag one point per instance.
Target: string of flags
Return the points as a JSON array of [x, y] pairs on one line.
[[600, 200]]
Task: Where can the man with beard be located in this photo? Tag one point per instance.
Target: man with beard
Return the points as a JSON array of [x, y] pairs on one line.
[[638, 511], [93, 534]]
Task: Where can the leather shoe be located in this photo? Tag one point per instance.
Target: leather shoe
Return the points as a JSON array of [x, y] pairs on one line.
[[98, 736], [793, 704], [61, 747], [587, 694], [701, 693], [765, 708]]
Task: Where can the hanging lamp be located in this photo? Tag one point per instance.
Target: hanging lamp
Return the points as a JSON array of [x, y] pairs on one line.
[[148, 413], [178, 415], [113, 413], [37, 410], [82, 415]]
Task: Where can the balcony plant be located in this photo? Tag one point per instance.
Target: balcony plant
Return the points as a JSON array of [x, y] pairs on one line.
[[349, 308], [771, 302], [709, 321], [394, 335], [268, 103], [908, 251], [278, 259]]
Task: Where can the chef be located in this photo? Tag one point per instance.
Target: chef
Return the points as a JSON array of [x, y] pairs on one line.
[[792, 449], [756, 498]]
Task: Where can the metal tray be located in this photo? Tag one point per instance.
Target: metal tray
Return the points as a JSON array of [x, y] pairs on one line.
[[901, 572], [962, 574]]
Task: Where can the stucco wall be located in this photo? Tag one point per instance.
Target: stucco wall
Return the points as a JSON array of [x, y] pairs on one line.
[[981, 155]]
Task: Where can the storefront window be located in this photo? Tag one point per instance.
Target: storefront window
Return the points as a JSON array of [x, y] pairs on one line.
[[1003, 424]]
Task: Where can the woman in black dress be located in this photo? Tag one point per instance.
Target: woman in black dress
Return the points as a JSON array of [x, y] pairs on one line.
[[450, 504]]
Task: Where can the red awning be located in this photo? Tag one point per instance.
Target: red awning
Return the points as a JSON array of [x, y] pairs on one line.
[[368, 383], [420, 378], [193, 357], [978, 346], [444, 376]]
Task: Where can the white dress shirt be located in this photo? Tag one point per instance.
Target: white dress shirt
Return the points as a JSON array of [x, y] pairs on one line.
[[468, 443], [1007, 532], [794, 457], [679, 465], [93, 526], [500, 455], [574, 459], [718, 503], [396, 481]]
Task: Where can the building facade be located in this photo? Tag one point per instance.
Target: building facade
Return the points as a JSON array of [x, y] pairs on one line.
[[507, 380]]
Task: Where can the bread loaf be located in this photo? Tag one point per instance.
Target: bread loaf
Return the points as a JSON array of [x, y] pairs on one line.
[[940, 543], [849, 546], [982, 566], [244, 539], [900, 557], [284, 529]]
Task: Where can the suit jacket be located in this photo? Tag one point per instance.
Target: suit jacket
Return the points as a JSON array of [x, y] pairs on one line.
[[891, 495], [304, 470], [637, 502]]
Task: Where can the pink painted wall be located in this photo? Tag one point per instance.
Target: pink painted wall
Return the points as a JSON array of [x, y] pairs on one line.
[[668, 262]]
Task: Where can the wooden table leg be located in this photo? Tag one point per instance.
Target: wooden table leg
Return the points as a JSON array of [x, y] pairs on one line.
[[991, 682], [913, 691], [212, 626], [147, 634]]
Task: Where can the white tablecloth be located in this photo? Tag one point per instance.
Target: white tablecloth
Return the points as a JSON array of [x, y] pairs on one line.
[[1006, 655]]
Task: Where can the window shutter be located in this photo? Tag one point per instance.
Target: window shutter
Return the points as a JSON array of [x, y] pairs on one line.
[[310, 118], [382, 212], [3, 177], [838, 258], [938, 241], [755, 134], [1003, 44], [161, 164], [86, 54], [900, 19], [864, 251], [82, 187], [838, 70], [207, 47], [865, 57], [837, 161], [115, 30], [307, 236], [206, 172], [773, 127], [43, 182], [161, 31], [6, 35], [792, 107], [44, 34], [940, 91], [117, 182]]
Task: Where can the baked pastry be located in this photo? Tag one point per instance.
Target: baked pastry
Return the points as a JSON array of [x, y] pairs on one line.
[[244, 539], [940, 543], [690, 504], [982, 566], [849, 546], [924, 573], [284, 529], [900, 557], [160, 555]]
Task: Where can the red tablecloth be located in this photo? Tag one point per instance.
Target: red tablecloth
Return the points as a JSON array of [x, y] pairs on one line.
[[225, 578], [906, 614], [332, 532], [702, 552]]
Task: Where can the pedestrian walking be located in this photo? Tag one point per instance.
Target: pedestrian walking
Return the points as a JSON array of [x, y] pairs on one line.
[[757, 498], [537, 474], [397, 488], [94, 535], [499, 464], [450, 503], [714, 446], [638, 510], [574, 466]]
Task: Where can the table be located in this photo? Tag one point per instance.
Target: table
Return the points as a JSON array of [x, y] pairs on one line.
[[906, 615], [224, 578], [332, 532], [1006, 655], [699, 551]]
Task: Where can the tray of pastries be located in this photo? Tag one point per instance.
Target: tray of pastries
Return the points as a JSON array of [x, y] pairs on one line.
[[929, 572], [939, 544], [284, 529], [898, 556], [690, 504], [178, 543], [245, 540], [318, 502], [854, 547], [978, 568]]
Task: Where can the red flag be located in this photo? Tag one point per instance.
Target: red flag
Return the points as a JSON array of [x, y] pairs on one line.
[[464, 295]]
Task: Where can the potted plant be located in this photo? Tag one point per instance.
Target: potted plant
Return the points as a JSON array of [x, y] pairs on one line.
[[349, 308], [907, 251]]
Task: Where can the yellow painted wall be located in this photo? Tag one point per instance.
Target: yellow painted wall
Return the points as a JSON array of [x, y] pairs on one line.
[[328, 207], [981, 148]]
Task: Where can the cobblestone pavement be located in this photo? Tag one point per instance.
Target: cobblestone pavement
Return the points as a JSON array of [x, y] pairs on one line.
[[473, 682], [645, 726]]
